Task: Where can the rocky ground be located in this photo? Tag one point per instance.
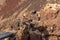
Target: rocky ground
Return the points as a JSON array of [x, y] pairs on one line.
[[31, 19]]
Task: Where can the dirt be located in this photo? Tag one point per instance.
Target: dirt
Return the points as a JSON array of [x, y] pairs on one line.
[[31, 19]]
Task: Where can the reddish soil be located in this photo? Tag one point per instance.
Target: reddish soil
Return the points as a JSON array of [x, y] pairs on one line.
[[43, 23], [10, 5]]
